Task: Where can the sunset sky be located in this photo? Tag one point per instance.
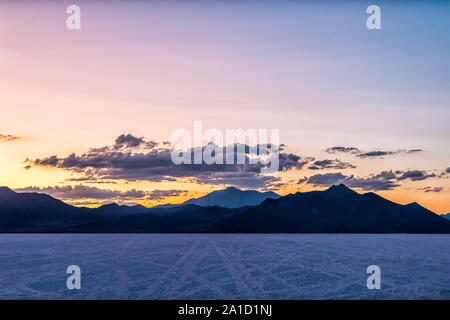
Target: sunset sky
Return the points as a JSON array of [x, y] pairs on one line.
[[81, 112]]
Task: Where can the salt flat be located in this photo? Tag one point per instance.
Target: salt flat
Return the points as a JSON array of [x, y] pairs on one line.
[[185, 266]]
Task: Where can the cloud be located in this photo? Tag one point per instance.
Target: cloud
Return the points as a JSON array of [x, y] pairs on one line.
[[374, 154], [132, 159], [432, 189], [414, 150], [415, 175], [326, 179], [377, 183], [8, 137], [78, 192], [130, 141], [369, 154], [330, 164], [334, 150], [302, 180], [162, 194], [385, 180], [84, 192]]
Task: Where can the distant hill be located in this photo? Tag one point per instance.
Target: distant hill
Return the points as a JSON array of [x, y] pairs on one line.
[[113, 209], [228, 198], [335, 210], [446, 216], [33, 212]]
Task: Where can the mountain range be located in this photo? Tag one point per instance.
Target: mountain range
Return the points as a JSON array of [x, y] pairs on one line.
[[228, 198], [335, 210]]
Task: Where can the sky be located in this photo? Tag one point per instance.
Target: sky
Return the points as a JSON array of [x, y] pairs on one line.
[[367, 108]]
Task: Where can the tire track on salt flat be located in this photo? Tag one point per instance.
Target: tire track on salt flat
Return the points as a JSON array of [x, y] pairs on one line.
[[169, 273], [122, 274], [246, 269], [188, 273], [240, 284]]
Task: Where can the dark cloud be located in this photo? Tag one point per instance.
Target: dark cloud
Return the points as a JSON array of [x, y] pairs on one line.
[[49, 162], [8, 137], [387, 175], [415, 175], [326, 179], [132, 158], [330, 164], [292, 161], [78, 192], [333, 150], [375, 183], [130, 141]]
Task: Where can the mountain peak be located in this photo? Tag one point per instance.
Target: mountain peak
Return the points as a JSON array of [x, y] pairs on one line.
[[231, 189], [231, 198], [340, 188], [415, 205]]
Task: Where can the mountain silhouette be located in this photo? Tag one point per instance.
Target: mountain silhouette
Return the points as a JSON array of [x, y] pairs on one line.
[[33, 212], [335, 210], [228, 198], [113, 209], [185, 219], [446, 216]]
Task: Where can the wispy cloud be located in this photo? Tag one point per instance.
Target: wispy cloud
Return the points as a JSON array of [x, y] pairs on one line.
[[330, 164], [368, 154], [432, 189], [80, 192], [334, 150], [375, 154], [8, 137]]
